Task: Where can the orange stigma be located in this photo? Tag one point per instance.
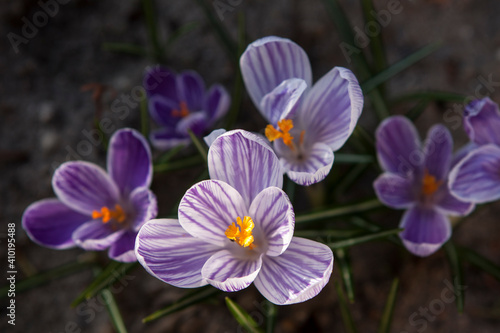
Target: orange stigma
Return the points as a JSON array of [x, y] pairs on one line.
[[284, 125], [106, 214], [243, 237], [183, 112], [430, 184]]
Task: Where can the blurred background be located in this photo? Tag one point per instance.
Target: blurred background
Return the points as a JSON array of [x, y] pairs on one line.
[[66, 63]]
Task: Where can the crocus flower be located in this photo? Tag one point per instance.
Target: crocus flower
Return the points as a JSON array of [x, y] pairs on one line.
[[236, 229], [476, 177], [96, 210], [307, 123], [415, 179], [179, 103]]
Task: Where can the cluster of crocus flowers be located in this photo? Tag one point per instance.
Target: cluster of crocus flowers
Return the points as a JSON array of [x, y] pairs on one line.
[[96, 210], [416, 179], [307, 122], [179, 103], [476, 177], [237, 228]]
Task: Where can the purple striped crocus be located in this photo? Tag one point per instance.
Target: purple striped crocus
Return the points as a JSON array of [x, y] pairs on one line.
[[235, 229], [307, 122], [96, 210], [179, 103], [476, 177], [415, 179]]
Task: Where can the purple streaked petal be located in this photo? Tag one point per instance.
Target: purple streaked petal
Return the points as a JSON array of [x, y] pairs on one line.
[[482, 122], [123, 249], [246, 162], [217, 102], [331, 109], [162, 82], [450, 205], [273, 215], [129, 160], [191, 89], [297, 275], [269, 61], [209, 139], [228, 272], [172, 255], [395, 191], [50, 223], [476, 178], [166, 138], [161, 109], [97, 236], [281, 101], [398, 146], [314, 166], [84, 187], [438, 148], [208, 208], [425, 230], [144, 206], [196, 122]]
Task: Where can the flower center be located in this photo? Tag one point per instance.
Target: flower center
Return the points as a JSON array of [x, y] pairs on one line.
[[244, 236], [182, 112], [430, 184], [285, 126], [107, 214]]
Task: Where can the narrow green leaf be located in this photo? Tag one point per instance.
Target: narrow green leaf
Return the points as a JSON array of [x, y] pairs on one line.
[[150, 17], [363, 239], [372, 227], [339, 211], [385, 323], [342, 258], [417, 110], [242, 317], [353, 158], [398, 67], [167, 156], [271, 313], [379, 104], [457, 274], [376, 42], [329, 233], [186, 28], [179, 164], [144, 114], [440, 96], [481, 262], [348, 180], [193, 297], [112, 273], [125, 48], [199, 145], [345, 311], [113, 311], [46, 277]]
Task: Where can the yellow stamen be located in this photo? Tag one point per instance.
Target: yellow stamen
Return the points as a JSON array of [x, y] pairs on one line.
[[106, 214], [244, 236], [285, 126], [183, 112], [430, 184]]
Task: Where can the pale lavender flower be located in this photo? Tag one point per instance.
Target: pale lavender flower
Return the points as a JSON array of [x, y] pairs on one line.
[[96, 210], [476, 177], [235, 229], [179, 103], [307, 122], [415, 179]]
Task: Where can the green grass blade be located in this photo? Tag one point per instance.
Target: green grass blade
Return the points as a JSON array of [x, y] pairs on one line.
[[188, 27], [363, 239], [112, 273], [376, 42], [481, 262], [149, 16], [339, 211], [439, 96], [353, 158], [194, 297], [350, 178], [415, 112], [345, 311], [167, 156], [242, 317], [271, 313], [329, 233], [179, 164], [342, 258], [200, 146], [113, 311], [385, 323], [144, 114], [398, 67], [46, 277], [457, 274]]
